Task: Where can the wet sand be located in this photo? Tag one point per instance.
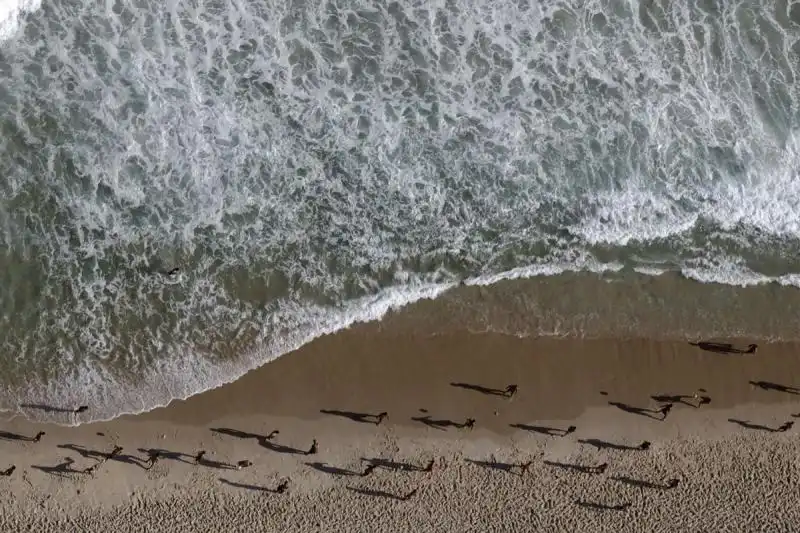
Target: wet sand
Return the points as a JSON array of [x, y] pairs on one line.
[[730, 475]]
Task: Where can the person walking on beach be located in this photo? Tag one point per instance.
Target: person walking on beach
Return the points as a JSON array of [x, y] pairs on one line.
[[8, 471], [379, 418], [282, 487], [152, 458], [38, 436], [786, 426], [313, 449], [510, 391], [645, 445], [243, 464], [199, 457], [469, 424], [116, 451], [665, 409], [672, 483], [523, 468], [80, 409]]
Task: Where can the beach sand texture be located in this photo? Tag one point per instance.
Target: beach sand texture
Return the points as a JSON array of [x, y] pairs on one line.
[[729, 475]]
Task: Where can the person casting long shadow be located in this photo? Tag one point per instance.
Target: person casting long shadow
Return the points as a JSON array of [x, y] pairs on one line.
[[768, 385], [583, 469], [363, 418], [749, 425], [14, 436], [62, 469], [383, 494], [201, 459], [603, 506], [399, 466], [281, 488], [601, 444], [656, 414], [555, 432], [114, 455], [670, 484]]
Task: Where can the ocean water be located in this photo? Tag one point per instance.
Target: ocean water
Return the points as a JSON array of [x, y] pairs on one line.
[[309, 165]]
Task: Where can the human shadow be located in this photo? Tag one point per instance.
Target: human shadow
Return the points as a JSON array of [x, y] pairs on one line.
[[749, 425], [201, 460], [399, 466], [685, 399], [104, 456], [46, 408], [14, 436], [265, 441], [383, 494], [509, 468], [768, 385], [602, 506], [671, 484], [602, 444], [724, 347], [583, 469], [443, 424], [281, 448], [62, 469], [336, 471], [655, 414], [362, 418], [554, 432], [236, 433], [158, 453], [508, 392], [279, 489]]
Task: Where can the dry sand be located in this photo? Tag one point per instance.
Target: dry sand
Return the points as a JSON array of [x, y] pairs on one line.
[[730, 477]]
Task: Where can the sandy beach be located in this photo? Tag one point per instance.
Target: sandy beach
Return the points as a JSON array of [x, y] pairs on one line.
[[710, 465]]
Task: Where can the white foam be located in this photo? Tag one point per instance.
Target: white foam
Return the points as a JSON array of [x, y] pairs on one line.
[[11, 11]]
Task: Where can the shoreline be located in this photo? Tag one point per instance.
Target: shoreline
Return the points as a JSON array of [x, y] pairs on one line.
[[577, 307], [369, 370]]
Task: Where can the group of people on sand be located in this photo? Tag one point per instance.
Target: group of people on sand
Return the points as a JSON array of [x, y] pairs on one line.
[[201, 457]]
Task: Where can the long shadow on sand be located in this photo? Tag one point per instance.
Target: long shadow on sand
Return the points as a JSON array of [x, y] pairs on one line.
[[655, 414], [443, 424], [383, 494], [553, 432], [640, 483], [61, 469], [14, 436], [583, 469], [336, 471], [104, 456], [167, 454], [280, 489], [768, 385], [362, 418], [483, 390], [602, 506], [509, 468], [685, 399], [398, 466], [749, 425], [605, 445], [265, 441]]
